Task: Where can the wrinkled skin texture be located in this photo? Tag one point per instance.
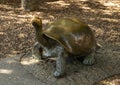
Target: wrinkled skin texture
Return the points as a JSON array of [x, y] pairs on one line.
[[62, 38]]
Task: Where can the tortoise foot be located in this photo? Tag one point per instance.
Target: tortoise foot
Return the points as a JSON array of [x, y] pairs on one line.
[[89, 60], [58, 74]]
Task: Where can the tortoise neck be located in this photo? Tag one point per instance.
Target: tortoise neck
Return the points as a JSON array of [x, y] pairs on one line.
[[43, 39], [40, 38], [39, 33]]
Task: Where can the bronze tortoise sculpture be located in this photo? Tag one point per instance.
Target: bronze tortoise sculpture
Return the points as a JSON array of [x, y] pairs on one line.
[[64, 37]]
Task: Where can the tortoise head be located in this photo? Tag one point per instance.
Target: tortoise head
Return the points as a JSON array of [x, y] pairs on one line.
[[37, 23]]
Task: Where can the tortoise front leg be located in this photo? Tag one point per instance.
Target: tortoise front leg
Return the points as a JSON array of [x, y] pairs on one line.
[[37, 50], [90, 59], [60, 64]]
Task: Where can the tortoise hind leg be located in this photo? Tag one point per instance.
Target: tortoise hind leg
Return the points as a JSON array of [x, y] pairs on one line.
[[90, 59]]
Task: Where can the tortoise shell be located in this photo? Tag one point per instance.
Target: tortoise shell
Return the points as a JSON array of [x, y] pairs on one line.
[[74, 35]]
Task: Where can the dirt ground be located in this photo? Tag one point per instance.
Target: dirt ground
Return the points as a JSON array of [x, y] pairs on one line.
[[17, 34]]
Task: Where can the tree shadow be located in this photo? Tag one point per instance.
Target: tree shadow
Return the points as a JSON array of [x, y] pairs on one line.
[[47, 1], [92, 12], [10, 2], [106, 25], [94, 4]]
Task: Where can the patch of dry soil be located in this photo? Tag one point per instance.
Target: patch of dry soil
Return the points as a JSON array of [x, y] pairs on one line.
[[17, 35]]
